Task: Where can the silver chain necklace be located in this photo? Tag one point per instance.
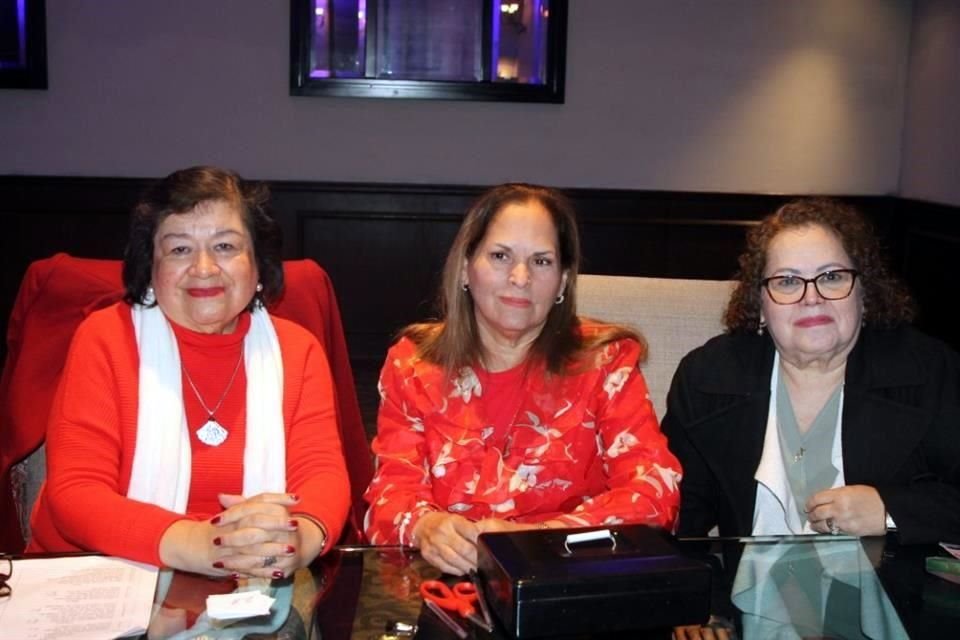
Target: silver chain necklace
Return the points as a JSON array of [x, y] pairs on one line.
[[212, 433]]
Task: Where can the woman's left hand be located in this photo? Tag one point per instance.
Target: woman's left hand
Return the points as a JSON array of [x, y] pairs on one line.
[[260, 537], [853, 510]]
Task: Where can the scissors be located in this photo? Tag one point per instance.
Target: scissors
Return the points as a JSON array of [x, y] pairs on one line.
[[461, 598]]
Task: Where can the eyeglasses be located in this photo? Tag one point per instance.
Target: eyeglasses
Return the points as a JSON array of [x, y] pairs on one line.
[[835, 284], [6, 571]]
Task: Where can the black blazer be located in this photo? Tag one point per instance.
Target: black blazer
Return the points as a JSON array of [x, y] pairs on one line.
[[900, 430]]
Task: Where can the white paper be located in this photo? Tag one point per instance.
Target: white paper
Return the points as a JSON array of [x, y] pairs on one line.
[[77, 597], [234, 606]]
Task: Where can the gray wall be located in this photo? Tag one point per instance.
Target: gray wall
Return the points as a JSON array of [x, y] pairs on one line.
[[931, 143], [732, 95]]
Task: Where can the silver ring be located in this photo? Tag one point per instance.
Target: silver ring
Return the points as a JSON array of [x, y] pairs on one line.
[[834, 529], [269, 561]]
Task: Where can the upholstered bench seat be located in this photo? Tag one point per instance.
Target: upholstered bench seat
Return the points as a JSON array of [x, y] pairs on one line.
[[673, 315]]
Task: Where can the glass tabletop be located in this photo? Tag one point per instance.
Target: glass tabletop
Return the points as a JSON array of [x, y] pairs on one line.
[[179, 610], [828, 587], [795, 587], [801, 587]]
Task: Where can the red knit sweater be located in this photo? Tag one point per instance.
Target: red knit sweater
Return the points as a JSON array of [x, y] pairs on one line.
[[93, 430]]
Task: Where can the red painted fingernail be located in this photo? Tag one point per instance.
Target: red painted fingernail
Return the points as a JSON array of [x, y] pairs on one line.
[[218, 565], [278, 574], [294, 524], [290, 550], [235, 576], [215, 520], [218, 541], [295, 497]]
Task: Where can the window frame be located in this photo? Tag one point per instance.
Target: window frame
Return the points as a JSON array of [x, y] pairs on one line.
[[551, 91]]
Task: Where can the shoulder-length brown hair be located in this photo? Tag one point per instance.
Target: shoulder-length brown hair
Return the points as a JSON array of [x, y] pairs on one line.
[[886, 302], [454, 341]]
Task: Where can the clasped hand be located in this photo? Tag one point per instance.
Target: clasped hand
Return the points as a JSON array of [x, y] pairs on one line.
[[256, 537], [251, 537]]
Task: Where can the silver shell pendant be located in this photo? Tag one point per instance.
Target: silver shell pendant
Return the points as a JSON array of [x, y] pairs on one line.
[[212, 433]]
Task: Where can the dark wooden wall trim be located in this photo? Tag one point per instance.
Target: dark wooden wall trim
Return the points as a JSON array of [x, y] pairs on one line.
[[384, 244], [926, 244]]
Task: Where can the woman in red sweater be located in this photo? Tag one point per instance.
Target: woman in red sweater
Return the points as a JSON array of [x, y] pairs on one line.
[[191, 430], [511, 413]]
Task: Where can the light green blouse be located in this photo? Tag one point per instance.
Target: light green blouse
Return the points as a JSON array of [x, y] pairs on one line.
[[806, 456]]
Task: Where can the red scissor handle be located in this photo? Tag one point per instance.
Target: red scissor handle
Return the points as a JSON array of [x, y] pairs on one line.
[[466, 590], [460, 599]]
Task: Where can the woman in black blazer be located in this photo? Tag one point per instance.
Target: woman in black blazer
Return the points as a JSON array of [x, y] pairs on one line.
[[821, 410]]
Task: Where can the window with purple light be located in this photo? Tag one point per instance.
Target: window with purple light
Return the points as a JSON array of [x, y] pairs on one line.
[[430, 40], [23, 52], [12, 34], [519, 51], [339, 39], [440, 49]]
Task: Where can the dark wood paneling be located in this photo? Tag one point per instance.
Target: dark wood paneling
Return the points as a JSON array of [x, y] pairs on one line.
[[392, 264], [42, 216], [929, 241], [384, 245]]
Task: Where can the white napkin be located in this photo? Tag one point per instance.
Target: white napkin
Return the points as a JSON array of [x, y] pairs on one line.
[[234, 606]]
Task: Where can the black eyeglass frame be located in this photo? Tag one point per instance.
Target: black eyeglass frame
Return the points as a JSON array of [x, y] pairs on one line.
[[765, 284]]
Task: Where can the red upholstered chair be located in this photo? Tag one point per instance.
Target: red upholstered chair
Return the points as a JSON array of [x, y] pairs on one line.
[[59, 292]]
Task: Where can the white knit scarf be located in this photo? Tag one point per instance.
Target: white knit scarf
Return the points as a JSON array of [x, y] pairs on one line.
[[161, 461]]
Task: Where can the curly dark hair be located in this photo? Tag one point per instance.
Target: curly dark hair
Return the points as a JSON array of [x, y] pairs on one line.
[[181, 192], [886, 301]]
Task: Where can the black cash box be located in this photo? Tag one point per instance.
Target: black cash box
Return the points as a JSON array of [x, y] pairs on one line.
[[634, 578]]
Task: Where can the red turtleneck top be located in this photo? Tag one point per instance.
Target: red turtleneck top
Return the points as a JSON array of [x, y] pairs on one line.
[[93, 428]]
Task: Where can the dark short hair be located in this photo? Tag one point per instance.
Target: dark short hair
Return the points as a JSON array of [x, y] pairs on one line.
[[181, 192], [886, 302]]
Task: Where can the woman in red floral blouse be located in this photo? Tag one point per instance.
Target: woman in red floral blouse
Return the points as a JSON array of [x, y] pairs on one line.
[[513, 413]]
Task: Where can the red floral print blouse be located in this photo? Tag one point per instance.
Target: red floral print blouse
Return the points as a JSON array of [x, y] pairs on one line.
[[583, 448]]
